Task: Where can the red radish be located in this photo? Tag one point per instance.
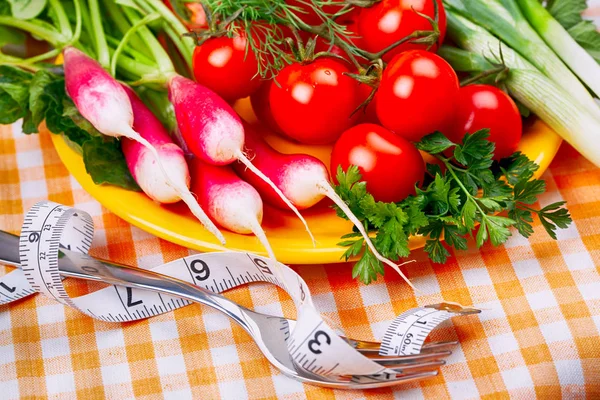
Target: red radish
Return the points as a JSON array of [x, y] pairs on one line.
[[102, 100], [229, 201], [292, 173], [98, 96], [212, 130], [302, 178], [146, 171]]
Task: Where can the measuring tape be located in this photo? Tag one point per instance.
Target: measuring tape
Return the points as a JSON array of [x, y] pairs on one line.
[[312, 343]]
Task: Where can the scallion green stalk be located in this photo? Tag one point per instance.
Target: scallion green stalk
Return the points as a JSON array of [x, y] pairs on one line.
[[474, 38], [463, 60], [554, 106], [557, 37], [504, 19]]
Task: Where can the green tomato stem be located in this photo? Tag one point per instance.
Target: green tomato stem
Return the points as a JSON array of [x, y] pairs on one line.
[[321, 31], [431, 35]]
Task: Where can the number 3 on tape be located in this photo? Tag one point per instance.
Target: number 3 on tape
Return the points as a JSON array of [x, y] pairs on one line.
[[312, 344]]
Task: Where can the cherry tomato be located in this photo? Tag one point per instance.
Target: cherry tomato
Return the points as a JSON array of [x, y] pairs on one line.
[[223, 65], [323, 45], [486, 106], [262, 107], [388, 21], [389, 164], [312, 103], [417, 95]]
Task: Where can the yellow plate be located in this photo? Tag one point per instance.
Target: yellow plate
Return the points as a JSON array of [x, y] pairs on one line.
[[285, 232]]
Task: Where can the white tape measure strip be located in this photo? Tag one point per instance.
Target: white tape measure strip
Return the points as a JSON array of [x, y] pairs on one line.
[[407, 333], [312, 344]]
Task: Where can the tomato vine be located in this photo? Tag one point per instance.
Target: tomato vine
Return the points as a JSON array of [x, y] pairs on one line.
[[266, 22]]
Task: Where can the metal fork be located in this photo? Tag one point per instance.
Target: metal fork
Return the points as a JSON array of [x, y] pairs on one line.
[[264, 329]]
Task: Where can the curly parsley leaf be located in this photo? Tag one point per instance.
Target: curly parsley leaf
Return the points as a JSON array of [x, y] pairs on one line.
[[14, 93], [527, 191], [522, 220], [436, 250], [105, 163], [367, 268], [435, 143], [554, 216], [517, 168]]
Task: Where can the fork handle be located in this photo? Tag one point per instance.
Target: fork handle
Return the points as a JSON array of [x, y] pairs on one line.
[[82, 266], [125, 275], [9, 249]]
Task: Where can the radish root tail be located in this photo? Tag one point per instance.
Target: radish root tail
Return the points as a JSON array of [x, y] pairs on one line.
[[180, 188], [329, 192], [262, 237], [240, 156], [199, 213]]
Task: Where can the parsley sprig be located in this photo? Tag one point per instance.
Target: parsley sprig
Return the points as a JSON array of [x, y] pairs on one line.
[[463, 198]]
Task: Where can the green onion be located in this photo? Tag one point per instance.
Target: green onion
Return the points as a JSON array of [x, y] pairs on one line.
[[476, 39], [463, 60], [557, 37], [504, 19], [553, 104]]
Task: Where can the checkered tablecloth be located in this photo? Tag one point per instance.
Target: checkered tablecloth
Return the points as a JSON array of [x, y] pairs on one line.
[[539, 333]]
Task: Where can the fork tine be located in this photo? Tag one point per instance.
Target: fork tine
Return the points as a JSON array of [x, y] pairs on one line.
[[417, 367], [384, 360], [366, 347], [363, 381], [363, 345], [438, 346]]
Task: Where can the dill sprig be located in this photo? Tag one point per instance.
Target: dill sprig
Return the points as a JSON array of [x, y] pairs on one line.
[[262, 21]]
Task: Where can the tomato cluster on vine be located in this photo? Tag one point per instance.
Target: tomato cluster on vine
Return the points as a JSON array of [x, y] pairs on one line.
[[373, 103]]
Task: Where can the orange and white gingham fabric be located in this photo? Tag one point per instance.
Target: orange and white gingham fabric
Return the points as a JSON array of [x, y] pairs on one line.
[[538, 336]]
